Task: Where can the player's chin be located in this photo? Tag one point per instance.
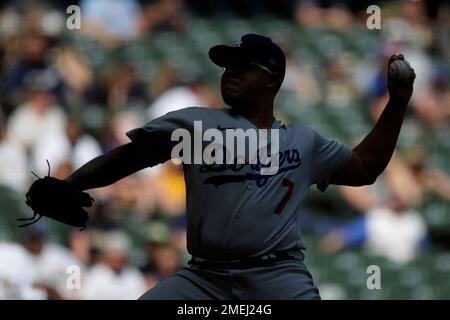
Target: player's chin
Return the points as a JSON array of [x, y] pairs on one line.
[[230, 99]]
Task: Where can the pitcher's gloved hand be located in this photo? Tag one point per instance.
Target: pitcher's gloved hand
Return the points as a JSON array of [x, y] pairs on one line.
[[59, 200]]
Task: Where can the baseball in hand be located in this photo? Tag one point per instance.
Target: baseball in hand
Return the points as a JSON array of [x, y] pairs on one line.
[[400, 70]]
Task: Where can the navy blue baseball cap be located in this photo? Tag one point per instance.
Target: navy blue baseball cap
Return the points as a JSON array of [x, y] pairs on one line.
[[253, 47]]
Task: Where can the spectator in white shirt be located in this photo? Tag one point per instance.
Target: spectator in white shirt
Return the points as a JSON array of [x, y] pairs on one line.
[[112, 278], [52, 264], [38, 116], [13, 162], [71, 146]]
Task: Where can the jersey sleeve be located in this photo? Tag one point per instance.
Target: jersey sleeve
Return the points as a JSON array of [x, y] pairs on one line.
[[154, 139], [327, 156]]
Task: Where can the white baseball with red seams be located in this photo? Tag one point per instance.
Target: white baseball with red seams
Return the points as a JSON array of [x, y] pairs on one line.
[[400, 70]]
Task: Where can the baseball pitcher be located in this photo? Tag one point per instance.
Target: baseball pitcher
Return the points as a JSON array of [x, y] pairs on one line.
[[243, 229]]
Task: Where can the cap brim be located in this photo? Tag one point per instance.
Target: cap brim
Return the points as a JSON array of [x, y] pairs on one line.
[[222, 54]]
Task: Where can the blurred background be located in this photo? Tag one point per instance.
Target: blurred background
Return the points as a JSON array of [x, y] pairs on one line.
[[70, 95]]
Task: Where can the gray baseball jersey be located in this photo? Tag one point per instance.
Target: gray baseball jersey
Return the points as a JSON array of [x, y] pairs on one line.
[[232, 210]]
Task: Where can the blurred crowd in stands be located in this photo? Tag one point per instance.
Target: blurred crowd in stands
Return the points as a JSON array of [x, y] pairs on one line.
[[59, 103]]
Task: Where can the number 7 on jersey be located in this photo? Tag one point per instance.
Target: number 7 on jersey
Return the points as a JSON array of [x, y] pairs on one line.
[[290, 185]]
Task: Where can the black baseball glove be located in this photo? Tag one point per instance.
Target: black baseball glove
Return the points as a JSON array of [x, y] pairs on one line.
[[59, 200]]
